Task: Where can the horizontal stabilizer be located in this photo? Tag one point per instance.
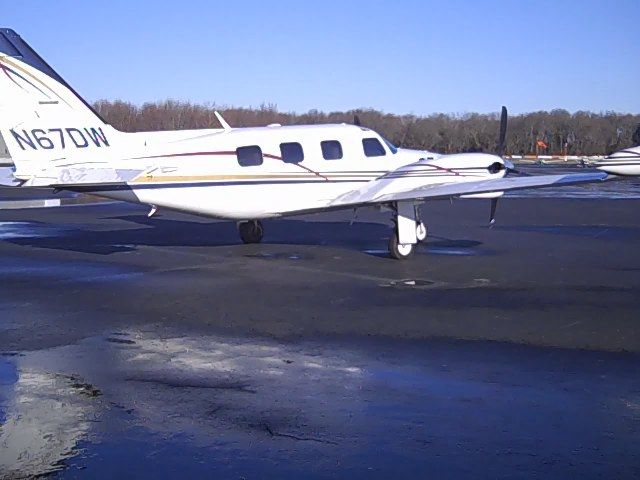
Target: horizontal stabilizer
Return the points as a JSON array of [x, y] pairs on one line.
[[78, 175], [6, 177]]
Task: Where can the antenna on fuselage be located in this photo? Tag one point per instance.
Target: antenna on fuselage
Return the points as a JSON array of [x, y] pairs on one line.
[[222, 121]]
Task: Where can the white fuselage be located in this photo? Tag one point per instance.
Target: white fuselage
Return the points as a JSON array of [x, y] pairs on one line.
[[202, 173]]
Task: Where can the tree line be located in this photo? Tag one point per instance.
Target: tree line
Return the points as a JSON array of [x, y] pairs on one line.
[[555, 132]]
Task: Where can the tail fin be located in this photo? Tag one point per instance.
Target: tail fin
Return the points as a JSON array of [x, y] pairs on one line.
[[25, 71], [43, 119]]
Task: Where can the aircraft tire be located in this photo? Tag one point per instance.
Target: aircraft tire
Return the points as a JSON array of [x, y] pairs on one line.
[[399, 251], [421, 231], [251, 232]]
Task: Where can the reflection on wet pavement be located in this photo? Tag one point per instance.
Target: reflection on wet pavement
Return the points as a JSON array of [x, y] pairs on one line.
[[137, 403], [11, 230], [45, 414]]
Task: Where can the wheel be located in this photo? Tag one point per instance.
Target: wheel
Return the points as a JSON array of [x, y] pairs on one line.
[[251, 232], [399, 251], [421, 231]]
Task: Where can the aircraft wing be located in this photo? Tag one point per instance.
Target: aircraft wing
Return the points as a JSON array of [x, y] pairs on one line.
[[386, 191]]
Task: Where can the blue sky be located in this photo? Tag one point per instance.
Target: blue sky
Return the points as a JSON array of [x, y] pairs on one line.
[[400, 57]]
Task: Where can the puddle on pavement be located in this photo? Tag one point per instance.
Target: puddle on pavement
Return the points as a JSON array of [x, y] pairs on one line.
[[605, 232], [8, 377], [133, 403], [279, 256], [378, 252], [68, 272], [43, 416], [423, 284], [450, 251], [457, 248], [410, 283], [173, 398], [11, 230]]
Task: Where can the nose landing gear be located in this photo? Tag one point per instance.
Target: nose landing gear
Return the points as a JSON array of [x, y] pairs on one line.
[[408, 231], [421, 231]]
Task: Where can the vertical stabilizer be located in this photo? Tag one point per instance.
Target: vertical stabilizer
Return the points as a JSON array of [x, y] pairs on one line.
[[43, 121], [21, 66]]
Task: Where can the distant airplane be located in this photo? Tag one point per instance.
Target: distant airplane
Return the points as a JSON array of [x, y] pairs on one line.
[[51, 137], [623, 162]]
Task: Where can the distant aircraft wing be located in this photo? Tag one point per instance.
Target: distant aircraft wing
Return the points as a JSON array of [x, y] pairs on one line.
[[386, 190]]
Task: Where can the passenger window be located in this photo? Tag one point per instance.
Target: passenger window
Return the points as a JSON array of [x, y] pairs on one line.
[[372, 147], [331, 150], [291, 152], [249, 156]]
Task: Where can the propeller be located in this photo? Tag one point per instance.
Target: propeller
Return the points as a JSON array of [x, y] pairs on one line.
[[508, 165], [502, 144], [492, 214], [503, 132]]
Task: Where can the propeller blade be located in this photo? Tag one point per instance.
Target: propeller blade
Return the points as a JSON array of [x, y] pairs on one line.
[[503, 132], [492, 214], [356, 121]]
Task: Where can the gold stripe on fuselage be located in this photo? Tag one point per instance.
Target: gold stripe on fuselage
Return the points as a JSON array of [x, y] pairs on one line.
[[214, 178]]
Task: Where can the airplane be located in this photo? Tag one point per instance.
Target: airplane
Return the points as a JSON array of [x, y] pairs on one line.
[[51, 137], [623, 162]]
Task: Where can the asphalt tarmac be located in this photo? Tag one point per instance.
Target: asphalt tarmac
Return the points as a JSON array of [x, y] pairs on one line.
[[162, 347]]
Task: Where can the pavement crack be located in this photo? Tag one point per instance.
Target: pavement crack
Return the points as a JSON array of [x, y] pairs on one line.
[[267, 428], [172, 383]]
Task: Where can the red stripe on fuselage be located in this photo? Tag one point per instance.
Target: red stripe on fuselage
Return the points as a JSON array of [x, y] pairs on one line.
[[231, 152]]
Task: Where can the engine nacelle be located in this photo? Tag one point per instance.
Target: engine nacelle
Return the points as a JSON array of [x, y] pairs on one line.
[[472, 165]]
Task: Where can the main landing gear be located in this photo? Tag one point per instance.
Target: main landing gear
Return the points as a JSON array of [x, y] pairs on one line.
[[408, 231], [251, 231]]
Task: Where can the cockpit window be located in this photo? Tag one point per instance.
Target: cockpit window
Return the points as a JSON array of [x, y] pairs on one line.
[[391, 146], [372, 147]]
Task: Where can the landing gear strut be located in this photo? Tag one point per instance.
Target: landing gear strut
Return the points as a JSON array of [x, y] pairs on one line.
[[408, 231], [251, 231]]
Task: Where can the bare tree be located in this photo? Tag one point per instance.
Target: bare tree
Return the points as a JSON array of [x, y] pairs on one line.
[[564, 133]]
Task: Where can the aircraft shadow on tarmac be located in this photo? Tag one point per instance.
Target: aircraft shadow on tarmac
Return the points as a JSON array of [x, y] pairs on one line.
[[369, 238], [588, 231]]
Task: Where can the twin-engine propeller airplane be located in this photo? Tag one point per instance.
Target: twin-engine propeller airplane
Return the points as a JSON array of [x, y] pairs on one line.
[[51, 137]]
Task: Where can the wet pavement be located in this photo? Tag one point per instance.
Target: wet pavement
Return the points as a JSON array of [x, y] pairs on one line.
[[158, 348], [135, 404]]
